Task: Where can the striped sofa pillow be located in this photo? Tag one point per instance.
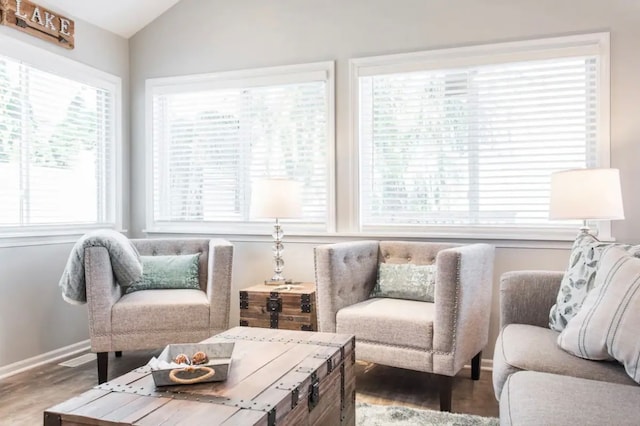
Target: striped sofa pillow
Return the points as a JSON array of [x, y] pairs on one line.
[[606, 327]]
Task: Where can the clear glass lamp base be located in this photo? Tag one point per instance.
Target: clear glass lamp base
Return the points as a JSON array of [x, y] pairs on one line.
[[278, 262]]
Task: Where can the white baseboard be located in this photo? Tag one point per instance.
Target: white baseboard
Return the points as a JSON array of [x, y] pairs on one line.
[[37, 361], [486, 364]]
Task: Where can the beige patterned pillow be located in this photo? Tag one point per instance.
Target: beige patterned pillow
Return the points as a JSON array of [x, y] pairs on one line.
[[580, 278], [406, 281], [607, 325]]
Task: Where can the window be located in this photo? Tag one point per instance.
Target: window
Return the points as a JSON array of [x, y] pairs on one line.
[[213, 135], [465, 140], [58, 127]]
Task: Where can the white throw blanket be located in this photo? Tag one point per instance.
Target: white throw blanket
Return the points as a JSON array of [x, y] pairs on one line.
[[125, 263]]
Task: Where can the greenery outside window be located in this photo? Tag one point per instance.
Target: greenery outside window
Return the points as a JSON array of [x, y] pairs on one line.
[[462, 142], [211, 136], [58, 144]]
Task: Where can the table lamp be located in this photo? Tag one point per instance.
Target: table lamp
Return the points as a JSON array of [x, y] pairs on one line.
[[276, 199], [586, 194]]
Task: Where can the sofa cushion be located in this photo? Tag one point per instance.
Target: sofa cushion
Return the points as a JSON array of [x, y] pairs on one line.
[[397, 322], [160, 310], [580, 278], [405, 281], [531, 398], [607, 325], [527, 347]]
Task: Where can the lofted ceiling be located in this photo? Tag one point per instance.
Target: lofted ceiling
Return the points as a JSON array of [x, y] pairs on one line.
[[122, 17]]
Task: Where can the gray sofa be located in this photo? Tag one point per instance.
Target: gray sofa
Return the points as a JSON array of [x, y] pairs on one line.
[[536, 382]]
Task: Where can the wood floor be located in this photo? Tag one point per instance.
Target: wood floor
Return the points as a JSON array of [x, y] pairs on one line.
[[24, 396]]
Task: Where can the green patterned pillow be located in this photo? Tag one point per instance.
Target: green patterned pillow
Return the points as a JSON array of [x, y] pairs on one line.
[[406, 281], [168, 272]]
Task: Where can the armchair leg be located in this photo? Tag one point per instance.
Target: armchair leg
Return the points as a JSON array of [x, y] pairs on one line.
[[475, 366], [103, 363], [445, 385], [118, 354]]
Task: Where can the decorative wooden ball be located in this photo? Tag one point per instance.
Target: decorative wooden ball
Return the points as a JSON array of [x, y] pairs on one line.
[[199, 358], [182, 359]]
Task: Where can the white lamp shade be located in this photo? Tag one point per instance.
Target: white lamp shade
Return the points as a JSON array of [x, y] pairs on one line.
[[276, 198], [586, 194]]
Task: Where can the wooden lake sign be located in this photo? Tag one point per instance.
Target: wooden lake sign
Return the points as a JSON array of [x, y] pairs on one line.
[[38, 21]]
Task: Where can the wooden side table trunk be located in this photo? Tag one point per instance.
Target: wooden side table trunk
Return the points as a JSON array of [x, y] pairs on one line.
[[277, 377], [280, 307]]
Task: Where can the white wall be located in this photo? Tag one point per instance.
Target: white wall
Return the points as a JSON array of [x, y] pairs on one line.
[[33, 317], [199, 36]]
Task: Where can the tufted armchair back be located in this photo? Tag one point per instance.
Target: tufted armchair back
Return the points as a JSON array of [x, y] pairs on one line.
[[411, 252], [355, 266]]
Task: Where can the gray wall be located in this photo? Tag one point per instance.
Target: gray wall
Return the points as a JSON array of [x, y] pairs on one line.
[[33, 317], [223, 35]]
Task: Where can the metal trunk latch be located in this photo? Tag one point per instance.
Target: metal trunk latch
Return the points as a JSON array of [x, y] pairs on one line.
[[342, 387], [273, 320], [271, 417], [274, 303], [314, 391], [305, 303], [295, 395], [274, 306], [244, 300]]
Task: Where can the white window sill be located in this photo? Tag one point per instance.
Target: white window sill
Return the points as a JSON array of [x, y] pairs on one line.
[[329, 238], [47, 235]]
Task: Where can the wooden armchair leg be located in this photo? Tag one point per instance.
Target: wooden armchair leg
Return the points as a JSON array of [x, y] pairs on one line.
[[445, 385], [103, 364], [475, 366]]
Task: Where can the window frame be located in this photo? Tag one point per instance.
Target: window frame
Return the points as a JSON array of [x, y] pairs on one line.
[[233, 79], [547, 48], [62, 66]]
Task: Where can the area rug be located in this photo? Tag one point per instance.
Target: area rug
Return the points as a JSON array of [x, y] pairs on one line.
[[383, 415]]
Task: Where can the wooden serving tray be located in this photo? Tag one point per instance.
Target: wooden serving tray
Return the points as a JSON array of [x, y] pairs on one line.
[[216, 370]]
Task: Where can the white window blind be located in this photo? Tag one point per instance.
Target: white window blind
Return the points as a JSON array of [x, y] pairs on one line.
[[56, 150], [474, 146], [211, 143]]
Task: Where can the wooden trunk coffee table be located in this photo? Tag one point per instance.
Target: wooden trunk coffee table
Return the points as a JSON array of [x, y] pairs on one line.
[[278, 377]]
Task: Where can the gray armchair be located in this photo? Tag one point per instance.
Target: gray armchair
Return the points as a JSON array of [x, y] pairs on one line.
[[438, 337], [150, 319]]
